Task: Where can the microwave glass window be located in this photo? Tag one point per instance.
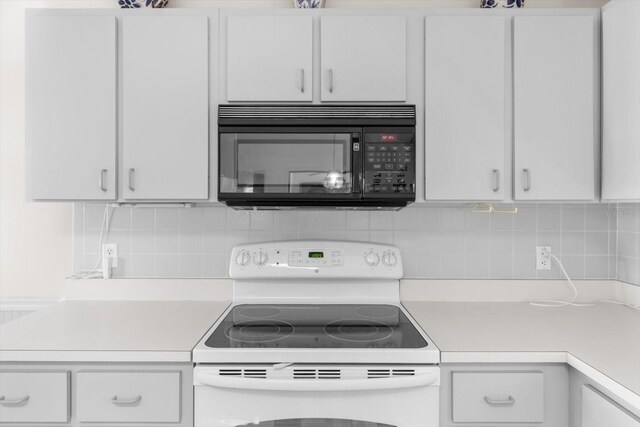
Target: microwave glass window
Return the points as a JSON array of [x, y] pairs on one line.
[[285, 163]]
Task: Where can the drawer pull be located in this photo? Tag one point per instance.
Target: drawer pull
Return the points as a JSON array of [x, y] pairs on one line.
[[103, 172], [117, 401], [527, 179], [508, 401], [131, 186], [496, 180], [18, 401]]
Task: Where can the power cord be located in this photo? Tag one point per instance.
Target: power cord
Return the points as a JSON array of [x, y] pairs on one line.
[[572, 302], [98, 271]]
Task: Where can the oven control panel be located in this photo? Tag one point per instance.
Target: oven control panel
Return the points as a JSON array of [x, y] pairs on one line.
[[310, 257], [389, 163], [302, 259]]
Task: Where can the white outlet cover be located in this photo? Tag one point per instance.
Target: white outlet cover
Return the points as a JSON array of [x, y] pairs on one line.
[[543, 259], [110, 251]]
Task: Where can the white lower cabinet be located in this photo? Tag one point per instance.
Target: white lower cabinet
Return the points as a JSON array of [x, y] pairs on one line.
[[73, 395], [34, 397], [504, 394], [599, 411], [128, 397], [498, 397]]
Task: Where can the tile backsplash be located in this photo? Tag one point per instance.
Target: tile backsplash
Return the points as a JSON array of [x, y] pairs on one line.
[[628, 252], [436, 242]]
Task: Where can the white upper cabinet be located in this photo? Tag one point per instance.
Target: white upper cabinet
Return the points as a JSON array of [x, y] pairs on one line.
[[363, 58], [269, 58], [621, 101], [555, 111], [71, 107], [465, 108], [165, 115]]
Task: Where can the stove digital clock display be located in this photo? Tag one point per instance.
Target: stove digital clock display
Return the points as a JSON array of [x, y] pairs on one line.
[[316, 255]]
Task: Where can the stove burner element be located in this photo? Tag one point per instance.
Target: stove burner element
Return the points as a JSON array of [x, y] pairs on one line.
[[358, 330], [378, 311], [260, 312], [257, 331], [355, 331]]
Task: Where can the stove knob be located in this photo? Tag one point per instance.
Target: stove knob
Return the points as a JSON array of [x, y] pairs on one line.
[[389, 259], [243, 258], [260, 258], [371, 258]]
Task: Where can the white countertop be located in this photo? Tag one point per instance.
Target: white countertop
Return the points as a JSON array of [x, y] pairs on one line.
[[602, 341], [109, 331]]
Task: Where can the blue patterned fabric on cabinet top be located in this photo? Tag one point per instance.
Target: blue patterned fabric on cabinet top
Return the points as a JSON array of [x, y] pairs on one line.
[[513, 3], [308, 4], [137, 4], [490, 4]]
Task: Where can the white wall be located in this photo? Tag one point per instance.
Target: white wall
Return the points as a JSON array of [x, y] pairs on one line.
[[35, 239]]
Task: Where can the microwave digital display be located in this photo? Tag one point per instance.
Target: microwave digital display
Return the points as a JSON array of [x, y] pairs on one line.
[[388, 138]]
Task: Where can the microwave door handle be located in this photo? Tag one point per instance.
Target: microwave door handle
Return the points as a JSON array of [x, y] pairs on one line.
[[210, 379], [357, 165]]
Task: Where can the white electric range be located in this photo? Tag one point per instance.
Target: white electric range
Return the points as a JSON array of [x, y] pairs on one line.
[[316, 337]]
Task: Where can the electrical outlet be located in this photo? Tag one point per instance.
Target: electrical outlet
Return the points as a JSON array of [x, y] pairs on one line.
[[543, 259], [110, 251]]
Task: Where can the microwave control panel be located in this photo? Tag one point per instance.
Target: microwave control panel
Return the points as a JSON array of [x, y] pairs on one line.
[[389, 163]]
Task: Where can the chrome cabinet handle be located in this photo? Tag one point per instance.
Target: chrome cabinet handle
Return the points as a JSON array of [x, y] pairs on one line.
[[496, 180], [118, 401], [131, 173], [18, 401], [103, 172], [330, 80], [301, 80], [508, 401], [527, 179]]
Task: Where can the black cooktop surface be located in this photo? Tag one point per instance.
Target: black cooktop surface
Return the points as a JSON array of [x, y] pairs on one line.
[[316, 326]]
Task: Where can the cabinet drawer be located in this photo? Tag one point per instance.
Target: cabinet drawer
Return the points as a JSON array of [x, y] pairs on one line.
[[34, 397], [498, 397], [124, 397]]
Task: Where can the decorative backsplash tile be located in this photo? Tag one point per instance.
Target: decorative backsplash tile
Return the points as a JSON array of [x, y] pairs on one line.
[[436, 242]]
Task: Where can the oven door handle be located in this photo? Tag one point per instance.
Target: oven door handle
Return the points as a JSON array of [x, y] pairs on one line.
[[388, 383]]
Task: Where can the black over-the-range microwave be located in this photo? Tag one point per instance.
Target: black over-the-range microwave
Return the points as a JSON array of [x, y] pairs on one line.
[[342, 156]]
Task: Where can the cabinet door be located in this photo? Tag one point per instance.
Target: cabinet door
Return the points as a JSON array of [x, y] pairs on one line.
[[555, 113], [363, 58], [599, 411], [71, 107], [165, 107], [464, 124], [621, 101], [269, 58]]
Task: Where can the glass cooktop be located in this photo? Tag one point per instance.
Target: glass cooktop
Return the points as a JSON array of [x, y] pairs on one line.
[[316, 326]]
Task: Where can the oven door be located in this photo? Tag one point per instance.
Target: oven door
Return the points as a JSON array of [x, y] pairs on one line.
[[288, 165], [316, 396]]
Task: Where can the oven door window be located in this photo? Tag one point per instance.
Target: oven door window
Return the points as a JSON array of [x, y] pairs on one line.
[[316, 422], [286, 163]]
